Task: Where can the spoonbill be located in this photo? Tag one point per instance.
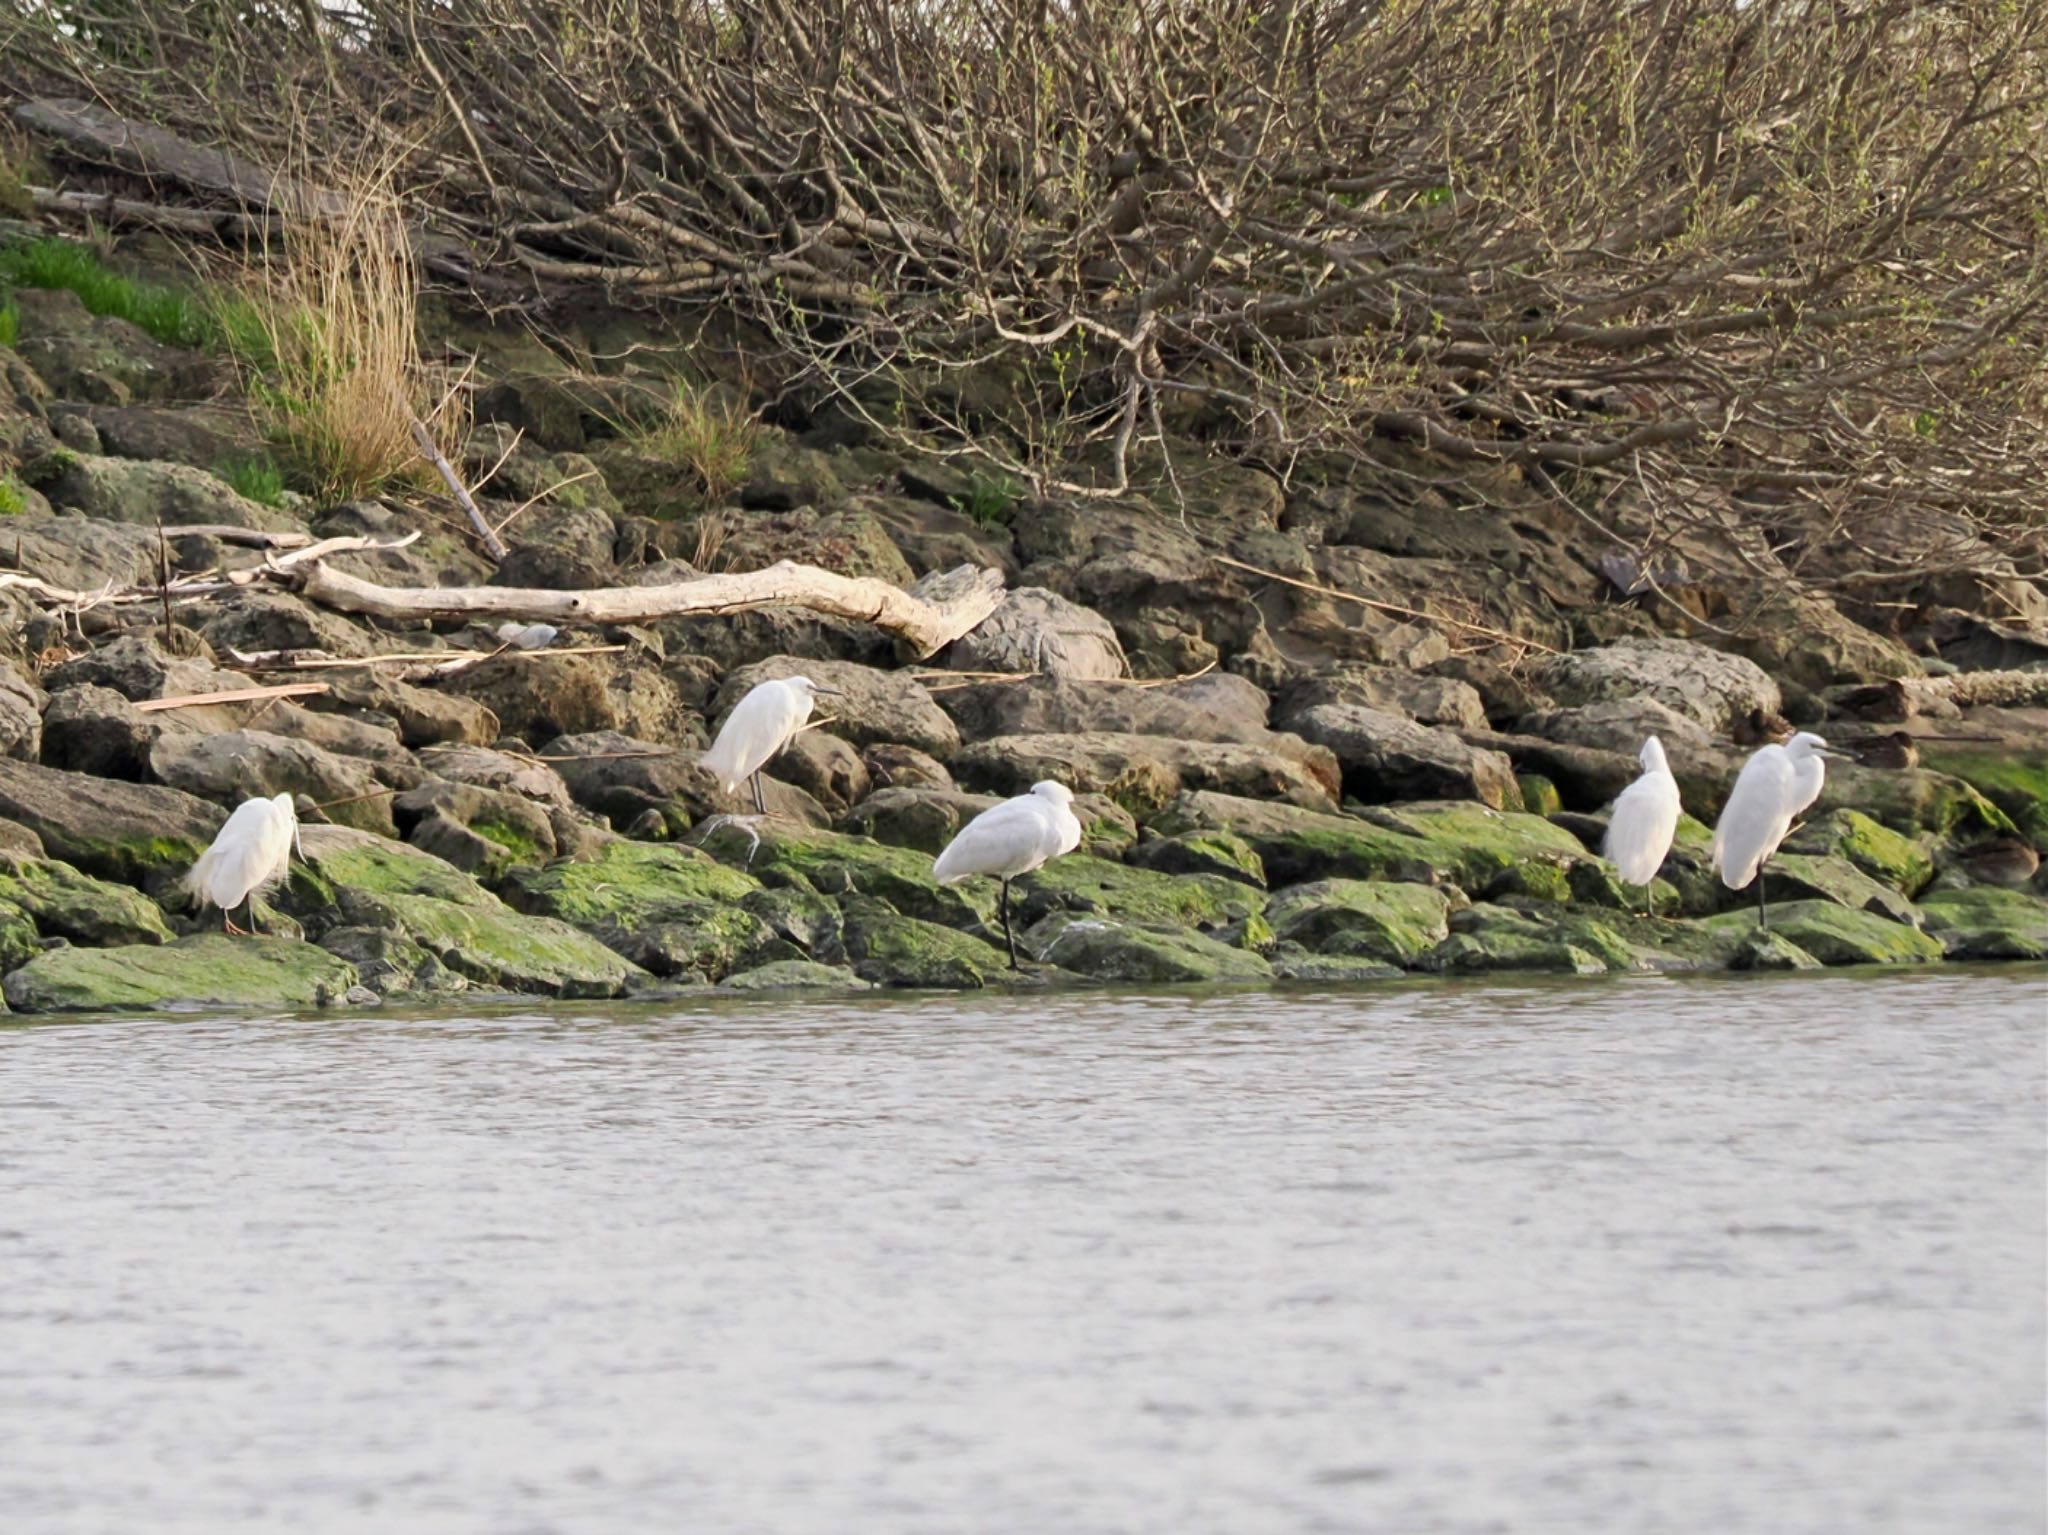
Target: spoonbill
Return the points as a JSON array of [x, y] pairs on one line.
[[1775, 785], [1645, 820], [252, 852], [1013, 838], [760, 725]]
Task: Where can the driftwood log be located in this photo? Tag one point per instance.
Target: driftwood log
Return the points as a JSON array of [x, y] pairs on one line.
[[930, 615]]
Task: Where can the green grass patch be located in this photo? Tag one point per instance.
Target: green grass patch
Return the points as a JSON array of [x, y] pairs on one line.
[[12, 500], [991, 499], [167, 314], [255, 479], [703, 430], [10, 323]]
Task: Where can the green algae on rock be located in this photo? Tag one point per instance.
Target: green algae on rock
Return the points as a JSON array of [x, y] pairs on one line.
[[1081, 883], [795, 975], [668, 909], [891, 949], [1881, 853], [210, 969], [1371, 919], [64, 903], [1222, 853], [1838, 935], [1497, 938], [834, 864], [1988, 923], [1104, 949]]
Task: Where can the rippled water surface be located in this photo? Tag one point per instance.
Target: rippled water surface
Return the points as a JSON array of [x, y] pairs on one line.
[[1634, 1256]]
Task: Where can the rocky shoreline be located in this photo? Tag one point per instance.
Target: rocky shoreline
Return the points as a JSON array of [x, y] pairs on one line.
[[1329, 731]]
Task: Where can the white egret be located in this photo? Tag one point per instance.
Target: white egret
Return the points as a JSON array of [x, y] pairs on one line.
[[760, 725], [1775, 785], [252, 853], [1645, 820], [1013, 838]]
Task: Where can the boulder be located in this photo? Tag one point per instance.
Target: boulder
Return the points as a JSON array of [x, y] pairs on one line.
[[1106, 949], [147, 493], [138, 667], [1489, 938], [1218, 706], [242, 764], [1505, 694], [794, 975], [1385, 757], [1220, 853], [933, 537], [670, 910], [21, 716], [480, 831], [1988, 923], [100, 359], [133, 834], [891, 765], [1102, 887], [207, 970], [422, 716], [204, 436], [1423, 697], [891, 949], [840, 866], [63, 903], [1620, 725], [1395, 924], [1709, 687], [544, 694], [81, 552], [1035, 630], [253, 622], [1838, 935], [874, 706], [352, 879], [924, 819], [825, 767], [487, 769], [1144, 773]]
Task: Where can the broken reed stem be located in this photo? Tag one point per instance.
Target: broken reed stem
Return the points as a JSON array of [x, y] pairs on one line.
[[493, 545], [1501, 636], [231, 696]]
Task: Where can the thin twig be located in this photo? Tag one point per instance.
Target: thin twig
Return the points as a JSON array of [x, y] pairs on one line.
[[1387, 607], [493, 545]]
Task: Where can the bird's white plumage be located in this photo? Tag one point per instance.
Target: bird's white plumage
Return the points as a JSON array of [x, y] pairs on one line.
[[1775, 785], [1645, 819], [252, 853], [1014, 837], [760, 725]]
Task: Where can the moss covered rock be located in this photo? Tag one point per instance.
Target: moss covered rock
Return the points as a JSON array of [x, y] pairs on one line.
[[834, 864], [1221, 853], [1838, 935], [354, 879], [64, 903], [1329, 969], [1799, 876], [891, 949], [1988, 923], [1761, 949], [131, 833], [1871, 847], [210, 970], [1107, 949], [1080, 883], [671, 910], [795, 975], [1391, 923], [1495, 938], [2016, 782]]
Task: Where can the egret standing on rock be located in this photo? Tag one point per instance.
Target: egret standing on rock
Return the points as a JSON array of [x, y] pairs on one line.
[[1013, 838], [1775, 785], [760, 725], [252, 853], [1645, 821]]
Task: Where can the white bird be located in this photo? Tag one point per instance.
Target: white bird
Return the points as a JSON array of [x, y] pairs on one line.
[[1775, 785], [527, 636], [1645, 819], [1013, 838], [760, 725], [252, 853]]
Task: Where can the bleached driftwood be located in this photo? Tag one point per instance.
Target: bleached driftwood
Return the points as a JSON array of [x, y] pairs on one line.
[[231, 696], [932, 614]]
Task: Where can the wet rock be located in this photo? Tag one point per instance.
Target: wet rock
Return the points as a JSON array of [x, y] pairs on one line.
[[1761, 949], [146, 493], [63, 903], [1220, 853], [1988, 923], [825, 767], [210, 970], [1796, 877], [836, 865], [1708, 687], [480, 831], [566, 695], [1328, 969], [1106, 949], [238, 765], [132, 834], [795, 975], [1884, 855], [1838, 935], [1141, 773], [670, 910], [891, 949], [353, 879], [1385, 757], [1494, 938], [204, 436], [891, 765], [1098, 886], [807, 921], [925, 819], [1036, 630], [876, 706], [1620, 725], [1392, 923], [389, 964]]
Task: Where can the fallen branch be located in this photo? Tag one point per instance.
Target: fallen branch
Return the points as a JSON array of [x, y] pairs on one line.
[[285, 661], [932, 614], [1394, 608], [258, 538], [493, 545], [231, 696]]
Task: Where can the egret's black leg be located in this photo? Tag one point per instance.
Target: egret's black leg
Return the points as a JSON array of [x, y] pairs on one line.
[[1009, 937], [760, 799], [1763, 918]]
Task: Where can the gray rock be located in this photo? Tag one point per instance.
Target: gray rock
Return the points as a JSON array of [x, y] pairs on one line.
[[204, 436], [1620, 725], [21, 716], [100, 359], [826, 768], [253, 622], [891, 765], [133, 834], [1108, 949], [480, 831], [1217, 707], [1420, 696], [1385, 757], [422, 716], [1709, 687], [552, 694], [926, 819], [242, 764], [90, 729], [487, 769], [1144, 773], [1035, 630], [146, 493]]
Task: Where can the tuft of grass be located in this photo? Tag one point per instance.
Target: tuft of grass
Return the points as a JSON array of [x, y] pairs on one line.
[[10, 323], [167, 314], [991, 499], [12, 502], [328, 339], [255, 479], [706, 432]]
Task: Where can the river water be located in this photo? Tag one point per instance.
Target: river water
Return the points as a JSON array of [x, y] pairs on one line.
[[1724, 1255]]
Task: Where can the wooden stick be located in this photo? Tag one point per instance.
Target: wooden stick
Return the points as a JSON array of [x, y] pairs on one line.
[[493, 545], [257, 537], [1387, 607], [932, 614], [275, 661], [231, 696]]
